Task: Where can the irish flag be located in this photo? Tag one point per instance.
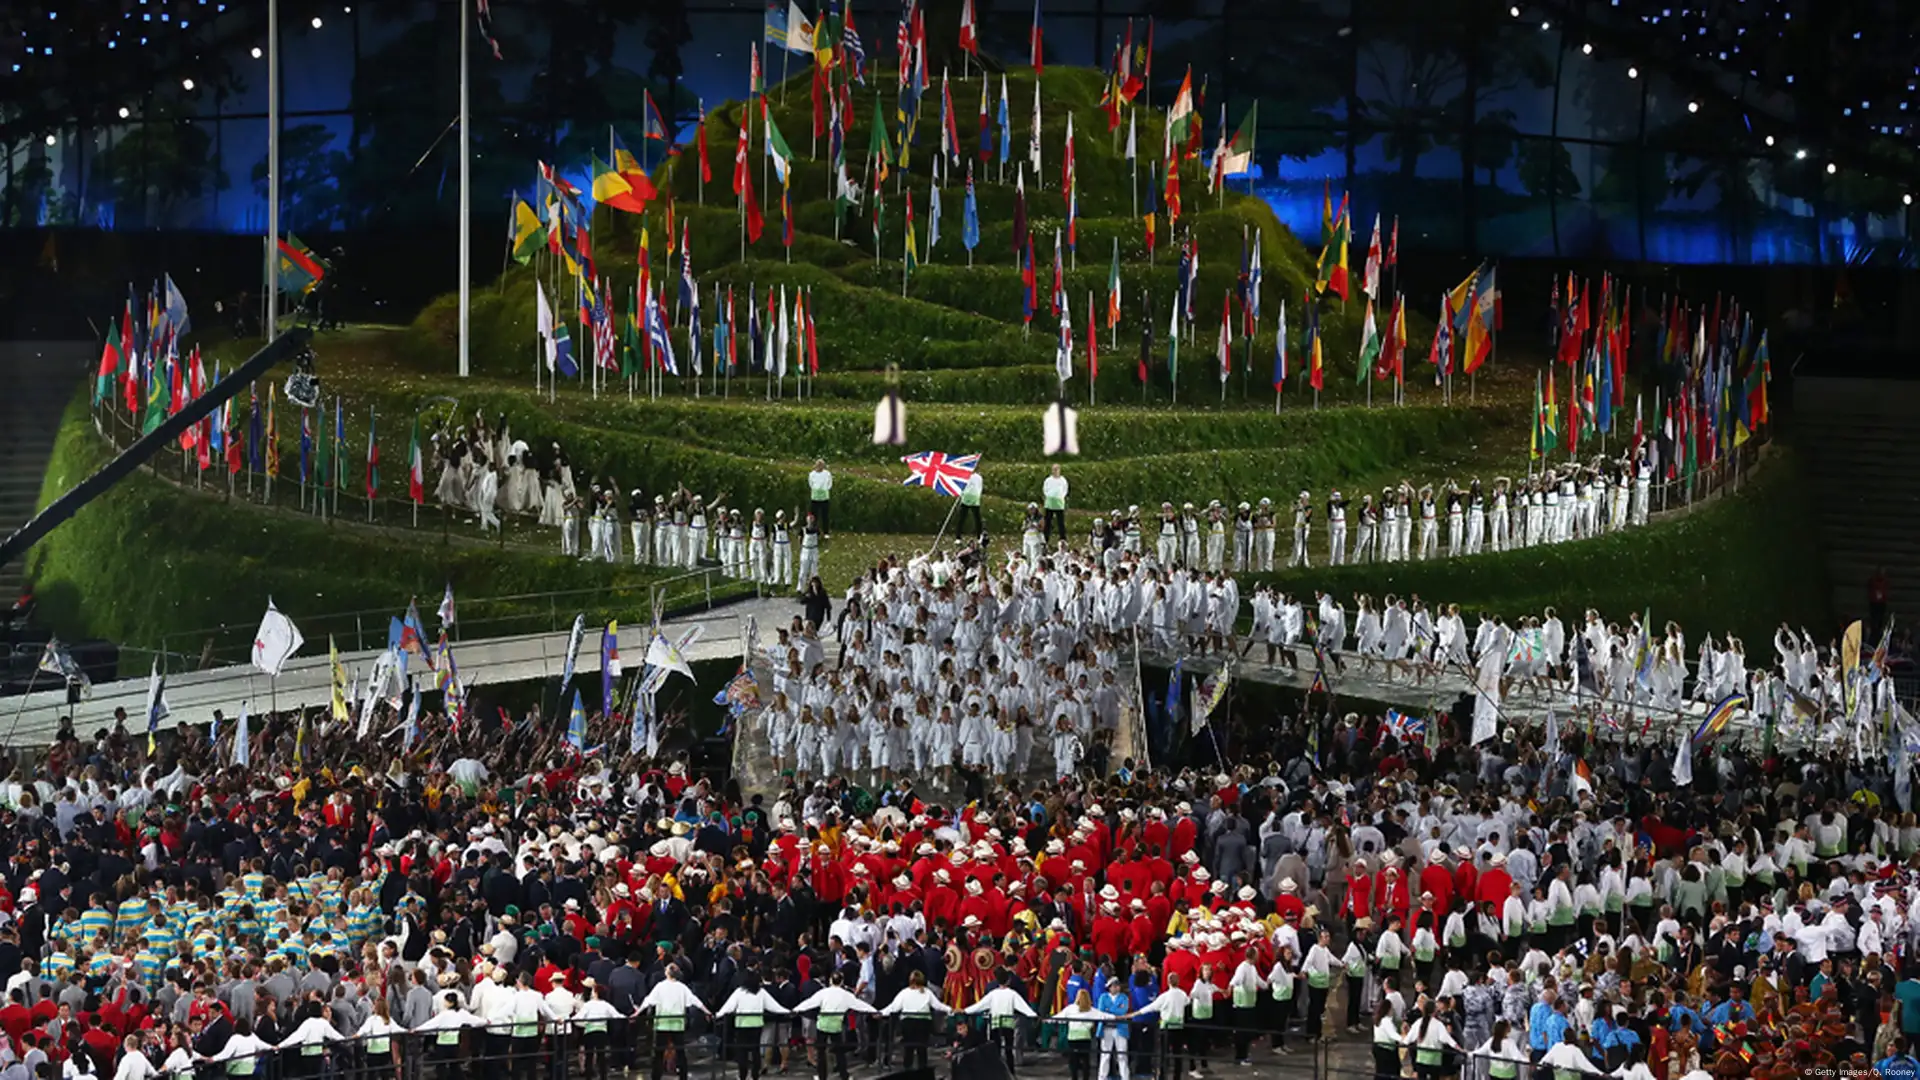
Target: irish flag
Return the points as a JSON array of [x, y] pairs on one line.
[[416, 469]]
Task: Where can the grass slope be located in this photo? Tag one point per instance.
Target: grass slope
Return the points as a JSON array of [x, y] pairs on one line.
[[148, 559], [1740, 564]]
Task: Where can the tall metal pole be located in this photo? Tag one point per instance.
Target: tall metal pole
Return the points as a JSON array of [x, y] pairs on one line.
[[466, 194], [271, 292]]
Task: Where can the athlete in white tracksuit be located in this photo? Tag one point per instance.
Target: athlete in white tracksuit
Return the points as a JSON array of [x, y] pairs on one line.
[[1302, 528]]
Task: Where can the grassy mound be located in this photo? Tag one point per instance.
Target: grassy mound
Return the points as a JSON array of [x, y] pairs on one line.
[[149, 561], [975, 373], [1740, 564], [957, 334]]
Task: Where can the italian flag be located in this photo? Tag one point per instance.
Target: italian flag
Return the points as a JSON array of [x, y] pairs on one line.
[[416, 469]]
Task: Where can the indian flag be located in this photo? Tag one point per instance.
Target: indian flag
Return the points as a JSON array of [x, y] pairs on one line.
[[1369, 345], [416, 469], [1180, 117]]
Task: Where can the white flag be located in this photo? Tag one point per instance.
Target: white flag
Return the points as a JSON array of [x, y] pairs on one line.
[[1060, 430], [156, 697], [668, 657], [242, 740], [276, 641], [446, 604], [1683, 761], [1033, 144], [780, 341], [544, 324], [1132, 123], [1486, 698]]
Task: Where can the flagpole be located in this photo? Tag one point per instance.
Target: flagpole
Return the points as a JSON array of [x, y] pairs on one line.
[[466, 195], [270, 299]]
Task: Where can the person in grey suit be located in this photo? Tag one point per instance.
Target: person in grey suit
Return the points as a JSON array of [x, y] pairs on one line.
[[279, 984], [418, 1008], [242, 994]]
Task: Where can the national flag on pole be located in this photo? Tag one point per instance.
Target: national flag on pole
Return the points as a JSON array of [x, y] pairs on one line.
[[654, 126], [1038, 57], [1397, 339], [1441, 356], [1006, 129], [1180, 116], [933, 214], [1331, 274], [1113, 287], [1369, 347], [156, 703], [416, 467], [109, 363], [1173, 345], [625, 191], [1063, 351], [970, 221], [373, 456], [1146, 340], [1226, 335], [778, 150], [1480, 323], [1236, 153], [945, 474], [1315, 363], [911, 254], [1067, 186], [1370, 284], [1280, 350], [969, 30]]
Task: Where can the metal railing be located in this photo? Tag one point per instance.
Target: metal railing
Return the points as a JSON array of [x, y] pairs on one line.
[[714, 1050], [509, 615]]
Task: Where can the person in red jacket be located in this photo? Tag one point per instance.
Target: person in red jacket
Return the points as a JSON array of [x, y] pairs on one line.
[[1438, 880], [1494, 884], [1155, 833], [977, 905], [1141, 932], [1358, 903], [1109, 935], [1466, 879], [943, 903], [1390, 892], [1185, 830], [1288, 904]]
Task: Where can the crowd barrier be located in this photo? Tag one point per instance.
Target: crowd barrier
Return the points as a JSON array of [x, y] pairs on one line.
[[715, 1050]]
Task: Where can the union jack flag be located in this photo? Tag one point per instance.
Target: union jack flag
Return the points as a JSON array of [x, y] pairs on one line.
[[1404, 727], [946, 474]]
